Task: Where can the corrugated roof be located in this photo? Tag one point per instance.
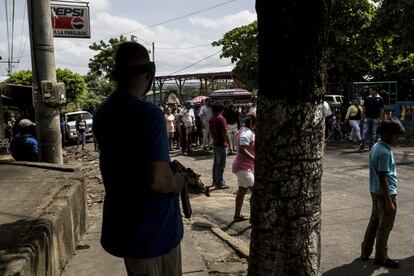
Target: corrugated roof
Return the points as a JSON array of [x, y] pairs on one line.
[[3, 78]]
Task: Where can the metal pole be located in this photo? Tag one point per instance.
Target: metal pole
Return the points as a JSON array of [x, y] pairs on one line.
[[43, 68], [153, 81]]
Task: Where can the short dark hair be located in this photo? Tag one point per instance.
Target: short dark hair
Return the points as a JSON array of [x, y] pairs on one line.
[[250, 120], [217, 108], [390, 127], [375, 88], [126, 52]]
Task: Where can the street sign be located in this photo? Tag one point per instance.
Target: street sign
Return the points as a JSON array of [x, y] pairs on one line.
[[71, 21]]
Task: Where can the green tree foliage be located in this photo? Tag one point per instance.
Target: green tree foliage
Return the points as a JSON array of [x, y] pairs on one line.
[[22, 77], [102, 64], [350, 48], [74, 83], [395, 19], [374, 38], [99, 85], [240, 45], [393, 27]]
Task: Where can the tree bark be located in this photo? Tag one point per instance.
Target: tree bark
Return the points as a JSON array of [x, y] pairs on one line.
[[286, 200]]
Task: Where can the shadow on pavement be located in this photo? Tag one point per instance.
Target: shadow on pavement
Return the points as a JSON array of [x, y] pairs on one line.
[[366, 268]]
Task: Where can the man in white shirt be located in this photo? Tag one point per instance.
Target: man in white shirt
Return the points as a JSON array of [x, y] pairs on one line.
[[327, 113], [206, 114], [187, 119]]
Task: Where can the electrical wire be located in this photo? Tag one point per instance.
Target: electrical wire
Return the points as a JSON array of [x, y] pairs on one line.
[[181, 56], [184, 48], [12, 33], [6, 10], [177, 18], [19, 52], [155, 25], [197, 62]]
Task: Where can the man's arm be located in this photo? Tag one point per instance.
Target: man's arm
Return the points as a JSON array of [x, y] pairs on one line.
[[385, 191], [162, 180], [363, 114], [202, 116], [381, 115]]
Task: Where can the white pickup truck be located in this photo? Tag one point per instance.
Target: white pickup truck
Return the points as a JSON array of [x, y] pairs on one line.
[[71, 118]]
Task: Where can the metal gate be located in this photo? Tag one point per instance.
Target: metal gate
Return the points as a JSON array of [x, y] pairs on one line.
[[388, 90]]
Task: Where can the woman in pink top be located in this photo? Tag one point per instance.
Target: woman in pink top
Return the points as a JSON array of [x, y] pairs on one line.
[[243, 165]]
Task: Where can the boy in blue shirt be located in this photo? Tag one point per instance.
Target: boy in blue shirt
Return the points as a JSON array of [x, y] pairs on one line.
[[383, 188]]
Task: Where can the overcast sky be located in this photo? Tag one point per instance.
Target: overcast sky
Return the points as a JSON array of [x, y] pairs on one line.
[[110, 18]]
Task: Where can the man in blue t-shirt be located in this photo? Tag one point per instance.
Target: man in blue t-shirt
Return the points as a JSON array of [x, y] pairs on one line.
[[383, 188], [24, 146], [141, 215]]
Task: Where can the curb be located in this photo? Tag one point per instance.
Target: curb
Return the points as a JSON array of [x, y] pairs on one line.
[[43, 246], [42, 165], [239, 246]]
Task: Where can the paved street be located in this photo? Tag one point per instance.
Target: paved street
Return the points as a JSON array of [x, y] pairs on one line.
[[345, 212], [345, 209]]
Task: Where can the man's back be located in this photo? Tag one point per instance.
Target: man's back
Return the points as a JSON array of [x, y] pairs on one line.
[[24, 148], [137, 223], [218, 127], [206, 113], [381, 159]]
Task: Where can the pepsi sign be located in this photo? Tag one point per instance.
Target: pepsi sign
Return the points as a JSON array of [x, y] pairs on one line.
[[70, 21]]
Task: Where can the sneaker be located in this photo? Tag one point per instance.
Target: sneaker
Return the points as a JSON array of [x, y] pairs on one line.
[[361, 148], [222, 187], [388, 263]]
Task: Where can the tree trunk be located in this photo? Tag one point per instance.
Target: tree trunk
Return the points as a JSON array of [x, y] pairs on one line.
[[286, 200]]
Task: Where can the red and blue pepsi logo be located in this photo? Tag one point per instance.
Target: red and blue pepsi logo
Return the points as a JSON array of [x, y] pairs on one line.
[[77, 23]]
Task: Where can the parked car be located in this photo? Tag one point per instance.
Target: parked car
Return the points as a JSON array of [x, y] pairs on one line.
[[71, 118], [334, 101]]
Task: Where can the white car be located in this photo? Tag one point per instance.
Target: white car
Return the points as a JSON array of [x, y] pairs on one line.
[[334, 101], [71, 118]]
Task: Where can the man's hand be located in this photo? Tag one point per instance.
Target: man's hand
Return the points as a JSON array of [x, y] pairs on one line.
[[161, 179], [180, 181]]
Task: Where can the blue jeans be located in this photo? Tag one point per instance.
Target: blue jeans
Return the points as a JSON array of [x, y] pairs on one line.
[[219, 165], [370, 131]]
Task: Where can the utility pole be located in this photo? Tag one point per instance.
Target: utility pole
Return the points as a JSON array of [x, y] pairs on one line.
[[153, 80], [43, 68]]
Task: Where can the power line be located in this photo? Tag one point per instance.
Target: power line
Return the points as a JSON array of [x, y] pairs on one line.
[[19, 52], [177, 18], [12, 30], [157, 24], [184, 48], [7, 28], [197, 62], [182, 56]]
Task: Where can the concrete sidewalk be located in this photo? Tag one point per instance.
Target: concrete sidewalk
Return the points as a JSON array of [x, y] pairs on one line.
[[42, 217], [346, 206], [91, 259]]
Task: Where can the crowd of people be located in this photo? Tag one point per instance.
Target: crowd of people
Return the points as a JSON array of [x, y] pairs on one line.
[[188, 126], [356, 122], [142, 221]]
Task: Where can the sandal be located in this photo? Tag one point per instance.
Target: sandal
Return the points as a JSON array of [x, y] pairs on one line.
[[240, 218]]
